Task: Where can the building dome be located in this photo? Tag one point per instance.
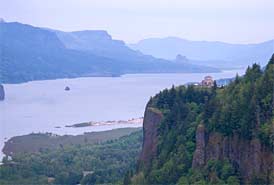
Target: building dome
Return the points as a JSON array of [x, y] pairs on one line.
[[208, 81]]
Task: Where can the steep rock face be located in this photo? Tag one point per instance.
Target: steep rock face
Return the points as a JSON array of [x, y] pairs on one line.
[[152, 119], [251, 158], [96, 41], [199, 154], [2, 93]]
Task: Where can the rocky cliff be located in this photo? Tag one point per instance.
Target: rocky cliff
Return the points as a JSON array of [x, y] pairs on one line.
[[152, 120], [196, 135], [199, 154], [2, 93], [249, 156]]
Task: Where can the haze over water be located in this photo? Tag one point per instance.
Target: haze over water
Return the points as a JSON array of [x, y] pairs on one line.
[[40, 106]]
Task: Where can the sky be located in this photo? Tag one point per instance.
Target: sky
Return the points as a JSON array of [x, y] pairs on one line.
[[233, 21]]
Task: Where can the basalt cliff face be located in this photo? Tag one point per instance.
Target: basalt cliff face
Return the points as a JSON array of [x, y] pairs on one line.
[[152, 120], [2, 93], [250, 157]]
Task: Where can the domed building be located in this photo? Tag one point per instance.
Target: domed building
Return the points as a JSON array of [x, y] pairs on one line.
[[208, 81]]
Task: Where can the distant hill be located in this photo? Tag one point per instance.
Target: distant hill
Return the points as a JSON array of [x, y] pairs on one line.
[[218, 54], [98, 42], [33, 53]]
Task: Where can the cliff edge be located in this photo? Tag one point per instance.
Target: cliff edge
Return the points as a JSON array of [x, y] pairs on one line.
[[217, 135], [250, 157], [152, 120]]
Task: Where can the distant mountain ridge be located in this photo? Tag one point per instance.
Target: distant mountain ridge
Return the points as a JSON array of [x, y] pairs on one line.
[[33, 53], [100, 43], [96, 41], [30, 53], [218, 54]]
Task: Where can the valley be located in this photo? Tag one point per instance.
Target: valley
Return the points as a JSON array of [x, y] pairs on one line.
[[158, 92]]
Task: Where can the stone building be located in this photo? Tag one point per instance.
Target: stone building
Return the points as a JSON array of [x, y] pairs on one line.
[[207, 81]]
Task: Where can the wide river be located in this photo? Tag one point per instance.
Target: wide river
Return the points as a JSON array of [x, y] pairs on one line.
[[40, 106]]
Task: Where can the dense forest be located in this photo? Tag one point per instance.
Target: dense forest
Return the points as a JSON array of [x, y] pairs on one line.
[[242, 110], [102, 163]]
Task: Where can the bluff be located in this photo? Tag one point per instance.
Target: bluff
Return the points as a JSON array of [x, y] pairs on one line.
[[251, 157], [33, 53], [197, 135], [2, 93], [152, 120]]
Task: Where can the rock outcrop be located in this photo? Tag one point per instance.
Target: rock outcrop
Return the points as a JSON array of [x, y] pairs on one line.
[[2, 93], [199, 154], [249, 156], [180, 58], [152, 120], [67, 88]]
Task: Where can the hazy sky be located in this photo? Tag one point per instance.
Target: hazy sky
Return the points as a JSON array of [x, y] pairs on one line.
[[235, 21]]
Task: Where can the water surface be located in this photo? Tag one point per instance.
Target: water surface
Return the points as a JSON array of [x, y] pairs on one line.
[[40, 106]]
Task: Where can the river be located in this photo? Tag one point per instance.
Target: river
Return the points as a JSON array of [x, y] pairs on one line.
[[40, 106]]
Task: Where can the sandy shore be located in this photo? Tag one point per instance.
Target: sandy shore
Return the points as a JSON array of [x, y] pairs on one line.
[[93, 123]]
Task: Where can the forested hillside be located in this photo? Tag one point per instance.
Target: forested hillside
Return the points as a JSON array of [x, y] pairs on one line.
[[200, 135], [86, 163]]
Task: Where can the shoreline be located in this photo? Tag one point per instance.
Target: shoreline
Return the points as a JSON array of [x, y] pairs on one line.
[[103, 123], [119, 75], [94, 127]]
